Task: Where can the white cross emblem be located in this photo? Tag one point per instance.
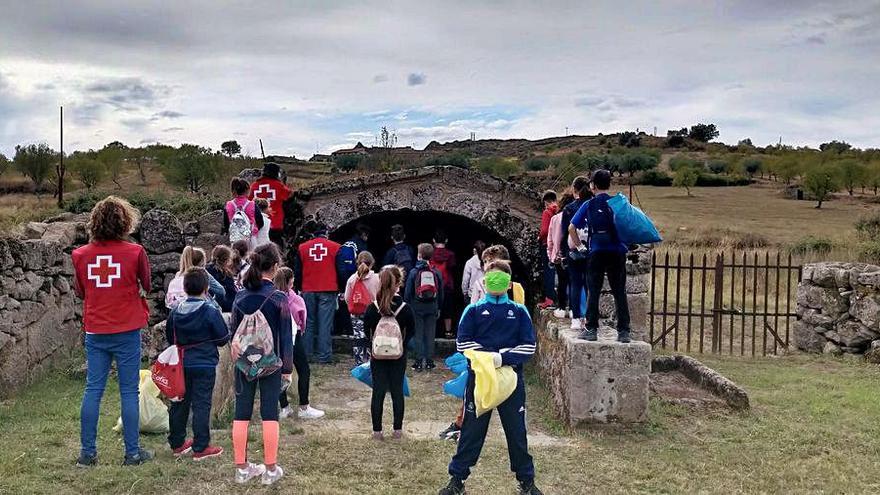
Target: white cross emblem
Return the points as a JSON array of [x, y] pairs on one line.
[[318, 252], [265, 192], [104, 273]]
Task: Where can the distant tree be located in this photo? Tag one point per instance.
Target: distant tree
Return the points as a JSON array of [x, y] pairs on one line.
[[498, 166], [683, 132], [35, 161], [835, 146], [88, 170], [717, 166], [751, 166], [348, 163], [4, 163], [703, 132], [387, 139], [820, 181], [629, 139], [872, 176], [787, 168], [230, 148], [140, 157], [459, 160], [631, 163], [675, 141], [852, 174], [192, 167], [112, 156], [745, 142], [686, 177]]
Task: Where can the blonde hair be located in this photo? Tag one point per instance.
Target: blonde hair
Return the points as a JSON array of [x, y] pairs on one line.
[[190, 257], [364, 262]]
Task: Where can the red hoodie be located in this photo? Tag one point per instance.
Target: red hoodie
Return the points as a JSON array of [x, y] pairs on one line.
[[318, 259], [109, 276], [444, 262], [276, 193], [545, 222]]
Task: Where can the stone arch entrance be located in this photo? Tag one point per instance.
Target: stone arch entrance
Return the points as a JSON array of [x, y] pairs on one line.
[[455, 199]]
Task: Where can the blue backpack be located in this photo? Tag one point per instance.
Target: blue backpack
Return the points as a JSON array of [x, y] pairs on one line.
[[346, 259], [600, 225]]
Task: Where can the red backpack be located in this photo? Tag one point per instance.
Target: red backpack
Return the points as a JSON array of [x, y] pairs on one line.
[[426, 285], [167, 371], [360, 298]]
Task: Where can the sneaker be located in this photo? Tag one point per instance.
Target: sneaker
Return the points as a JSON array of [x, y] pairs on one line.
[[378, 436], [591, 335], [417, 365], [270, 477], [429, 365], [310, 413], [86, 461], [184, 449], [623, 336], [397, 434], [136, 460], [559, 313], [285, 412], [546, 303], [576, 324], [452, 430], [250, 472], [529, 488], [570, 314], [209, 452], [454, 487]]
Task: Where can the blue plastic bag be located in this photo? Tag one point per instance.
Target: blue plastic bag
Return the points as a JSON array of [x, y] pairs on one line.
[[364, 375], [456, 386], [633, 226], [456, 363]]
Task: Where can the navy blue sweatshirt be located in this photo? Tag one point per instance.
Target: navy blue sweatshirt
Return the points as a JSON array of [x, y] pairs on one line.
[[228, 283], [199, 324], [409, 291], [567, 214], [405, 319], [497, 324], [277, 314]]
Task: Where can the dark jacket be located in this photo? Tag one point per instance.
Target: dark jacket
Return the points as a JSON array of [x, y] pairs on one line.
[[197, 323], [405, 319], [391, 256], [228, 284], [273, 303], [567, 214], [497, 324], [409, 292]]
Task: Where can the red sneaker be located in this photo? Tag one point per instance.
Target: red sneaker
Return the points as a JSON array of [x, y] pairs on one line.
[[209, 452], [184, 449], [546, 303]]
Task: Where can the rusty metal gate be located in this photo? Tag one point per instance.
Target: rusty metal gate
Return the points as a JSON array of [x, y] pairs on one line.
[[733, 303]]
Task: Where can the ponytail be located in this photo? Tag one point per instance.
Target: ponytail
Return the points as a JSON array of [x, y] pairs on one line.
[[389, 282], [262, 260], [365, 262]]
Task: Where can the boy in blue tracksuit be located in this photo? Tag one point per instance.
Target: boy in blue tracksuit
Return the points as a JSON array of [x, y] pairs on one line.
[[498, 325]]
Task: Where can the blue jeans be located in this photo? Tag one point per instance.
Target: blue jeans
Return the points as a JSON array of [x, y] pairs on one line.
[[101, 350], [577, 287], [548, 274], [199, 391], [321, 308]]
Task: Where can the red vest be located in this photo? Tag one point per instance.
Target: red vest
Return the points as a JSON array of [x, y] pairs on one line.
[[318, 257], [108, 277], [276, 193]]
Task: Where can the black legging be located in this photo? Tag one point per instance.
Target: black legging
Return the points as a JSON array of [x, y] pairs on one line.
[[245, 392], [303, 375], [387, 377]]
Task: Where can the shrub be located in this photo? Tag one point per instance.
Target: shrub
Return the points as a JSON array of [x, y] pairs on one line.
[[654, 178], [717, 166], [810, 244], [680, 161], [535, 164], [675, 141], [185, 207], [629, 139], [715, 180], [752, 166], [497, 166], [703, 132], [348, 163], [870, 252], [459, 160], [868, 227]]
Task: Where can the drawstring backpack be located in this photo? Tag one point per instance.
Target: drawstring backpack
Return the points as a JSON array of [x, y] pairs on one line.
[[388, 339]]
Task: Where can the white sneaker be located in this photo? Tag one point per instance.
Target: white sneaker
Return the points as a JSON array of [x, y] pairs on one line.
[[576, 324], [310, 413], [559, 313], [249, 473], [569, 314], [285, 413], [270, 477]]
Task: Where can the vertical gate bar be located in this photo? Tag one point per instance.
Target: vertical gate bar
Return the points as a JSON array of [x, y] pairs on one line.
[[754, 300], [766, 296], [677, 297], [653, 284], [776, 306], [742, 334], [718, 301], [703, 275], [690, 299], [732, 298], [665, 291], [788, 299]]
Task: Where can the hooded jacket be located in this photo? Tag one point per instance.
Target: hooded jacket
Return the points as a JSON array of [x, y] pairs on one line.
[[497, 324], [197, 323]]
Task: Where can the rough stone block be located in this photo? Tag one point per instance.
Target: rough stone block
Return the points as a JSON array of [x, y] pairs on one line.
[[806, 338], [161, 232], [211, 222], [865, 307], [828, 300]]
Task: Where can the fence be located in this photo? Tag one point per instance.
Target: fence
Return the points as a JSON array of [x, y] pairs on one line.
[[742, 303]]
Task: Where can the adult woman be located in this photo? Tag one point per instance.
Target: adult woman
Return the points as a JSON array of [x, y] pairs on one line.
[[260, 294], [112, 276], [222, 268]]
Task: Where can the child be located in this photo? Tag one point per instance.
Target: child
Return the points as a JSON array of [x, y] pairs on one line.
[[222, 268], [388, 374], [360, 290], [444, 262], [262, 235], [473, 269], [555, 237], [547, 271], [424, 292], [241, 250], [190, 257], [575, 258], [283, 281], [259, 294], [497, 325], [241, 203], [199, 328], [607, 256], [401, 254]]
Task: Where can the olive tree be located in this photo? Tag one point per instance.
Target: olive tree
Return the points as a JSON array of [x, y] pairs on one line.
[[191, 166], [35, 161], [686, 177], [820, 181]]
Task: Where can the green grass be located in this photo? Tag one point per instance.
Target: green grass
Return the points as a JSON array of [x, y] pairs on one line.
[[814, 427]]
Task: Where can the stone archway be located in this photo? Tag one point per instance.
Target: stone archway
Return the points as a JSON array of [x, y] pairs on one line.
[[512, 211]]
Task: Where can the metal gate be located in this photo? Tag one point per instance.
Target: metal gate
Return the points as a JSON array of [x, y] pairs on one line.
[[738, 303]]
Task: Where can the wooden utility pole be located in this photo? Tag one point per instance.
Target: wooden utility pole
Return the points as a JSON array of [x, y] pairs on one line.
[[59, 169], [261, 149]]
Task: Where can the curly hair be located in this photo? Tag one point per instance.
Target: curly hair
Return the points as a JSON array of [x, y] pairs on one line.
[[113, 219]]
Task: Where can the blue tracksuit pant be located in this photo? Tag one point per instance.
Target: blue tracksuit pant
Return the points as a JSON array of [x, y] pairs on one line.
[[473, 433]]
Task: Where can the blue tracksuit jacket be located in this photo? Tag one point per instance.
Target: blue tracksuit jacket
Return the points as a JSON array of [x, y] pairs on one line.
[[497, 324]]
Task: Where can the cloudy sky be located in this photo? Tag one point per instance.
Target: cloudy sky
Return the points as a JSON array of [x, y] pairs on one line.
[[321, 75]]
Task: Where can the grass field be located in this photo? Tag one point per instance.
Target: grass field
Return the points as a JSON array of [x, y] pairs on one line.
[[814, 427]]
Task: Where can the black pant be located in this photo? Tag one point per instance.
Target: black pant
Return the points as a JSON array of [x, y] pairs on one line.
[[245, 392], [387, 377], [613, 265], [277, 236], [562, 288], [199, 390], [303, 375]]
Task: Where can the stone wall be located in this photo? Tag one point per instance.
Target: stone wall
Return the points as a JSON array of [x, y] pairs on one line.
[[838, 307]]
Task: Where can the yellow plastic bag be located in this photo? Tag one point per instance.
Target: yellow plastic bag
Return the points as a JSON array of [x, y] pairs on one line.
[[153, 412], [492, 385]]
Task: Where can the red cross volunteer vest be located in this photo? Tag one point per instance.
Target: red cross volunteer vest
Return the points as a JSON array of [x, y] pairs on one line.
[[318, 257]]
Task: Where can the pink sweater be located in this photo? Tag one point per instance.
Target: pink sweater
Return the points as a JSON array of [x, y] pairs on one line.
[[371, 281], [297, 310], [554, 236], [249, 210]]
